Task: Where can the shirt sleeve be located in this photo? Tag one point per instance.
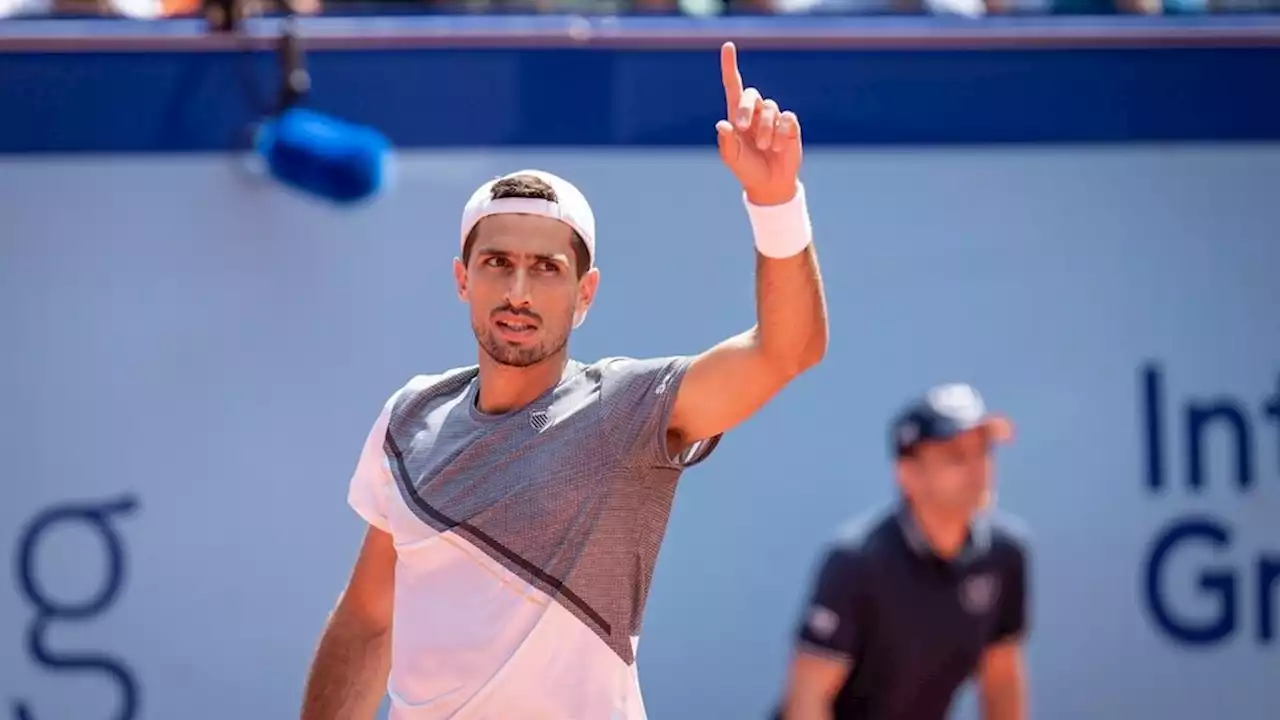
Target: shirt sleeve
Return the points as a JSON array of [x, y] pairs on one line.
[[371, 482], [1012, 621], [831, 625], [638, 398]]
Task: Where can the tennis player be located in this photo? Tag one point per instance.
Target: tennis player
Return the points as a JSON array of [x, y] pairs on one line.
[[516, 507], [910, 606]]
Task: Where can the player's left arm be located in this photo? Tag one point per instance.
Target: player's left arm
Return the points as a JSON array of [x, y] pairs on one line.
[[725, 385], [1002, 684]]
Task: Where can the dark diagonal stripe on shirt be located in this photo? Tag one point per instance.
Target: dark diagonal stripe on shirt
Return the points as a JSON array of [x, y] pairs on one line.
[[449, 523]]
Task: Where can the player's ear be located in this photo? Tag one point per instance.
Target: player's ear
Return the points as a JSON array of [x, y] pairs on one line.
[[587, 286], [904, 469], [460, 277]]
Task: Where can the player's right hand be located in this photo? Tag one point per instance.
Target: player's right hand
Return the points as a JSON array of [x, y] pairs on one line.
[[759, 142]]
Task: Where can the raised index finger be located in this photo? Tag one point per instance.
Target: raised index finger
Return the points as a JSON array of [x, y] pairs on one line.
[[730, 76]]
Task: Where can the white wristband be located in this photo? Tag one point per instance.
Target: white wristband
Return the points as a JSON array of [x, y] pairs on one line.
[[781, 231]]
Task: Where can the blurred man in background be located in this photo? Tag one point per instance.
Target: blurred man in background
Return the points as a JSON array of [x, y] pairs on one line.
[[907, 608]]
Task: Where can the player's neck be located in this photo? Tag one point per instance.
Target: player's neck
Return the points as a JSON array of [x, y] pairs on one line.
[[945, 533], [504, 388]]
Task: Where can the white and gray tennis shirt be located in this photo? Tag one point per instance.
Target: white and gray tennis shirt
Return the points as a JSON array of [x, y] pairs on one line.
[[525, 542]]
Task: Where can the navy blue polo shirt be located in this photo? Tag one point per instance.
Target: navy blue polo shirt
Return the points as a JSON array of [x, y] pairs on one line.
[[911, 625]]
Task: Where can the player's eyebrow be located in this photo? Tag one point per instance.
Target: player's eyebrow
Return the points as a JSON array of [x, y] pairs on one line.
[[559, 258]]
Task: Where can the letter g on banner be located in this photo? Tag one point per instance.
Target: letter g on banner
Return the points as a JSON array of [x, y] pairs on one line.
[[96, 517]]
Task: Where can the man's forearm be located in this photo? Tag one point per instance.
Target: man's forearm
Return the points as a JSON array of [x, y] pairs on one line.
[[791, 309], [804, 707], [349, 675], [1007, 704]]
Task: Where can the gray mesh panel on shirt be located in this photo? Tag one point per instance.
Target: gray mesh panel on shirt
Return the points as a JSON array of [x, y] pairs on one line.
[[571, 493]]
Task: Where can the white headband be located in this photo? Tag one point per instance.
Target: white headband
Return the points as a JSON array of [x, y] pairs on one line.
[[570, 208]]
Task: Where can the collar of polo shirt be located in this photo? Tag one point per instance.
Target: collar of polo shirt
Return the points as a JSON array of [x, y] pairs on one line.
[[975, 545]]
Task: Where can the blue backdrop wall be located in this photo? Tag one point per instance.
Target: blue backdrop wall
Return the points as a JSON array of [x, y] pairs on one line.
[[1080, 222]]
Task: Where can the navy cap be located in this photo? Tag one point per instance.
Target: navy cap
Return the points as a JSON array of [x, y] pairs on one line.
[[943, 413]]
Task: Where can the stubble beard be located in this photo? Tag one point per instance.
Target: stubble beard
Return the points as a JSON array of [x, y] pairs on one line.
[[518, 356]]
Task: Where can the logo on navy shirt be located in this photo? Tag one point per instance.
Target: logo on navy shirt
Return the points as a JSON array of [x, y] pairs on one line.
[[979, 593]]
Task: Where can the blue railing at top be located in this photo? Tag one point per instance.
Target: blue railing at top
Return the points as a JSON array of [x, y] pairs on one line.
[[499, 80]]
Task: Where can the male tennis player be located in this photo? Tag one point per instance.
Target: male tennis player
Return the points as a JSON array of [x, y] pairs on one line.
[[907, 608], [516, 507]]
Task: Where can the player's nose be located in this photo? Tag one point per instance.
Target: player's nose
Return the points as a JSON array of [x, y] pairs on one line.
[[519, 289]]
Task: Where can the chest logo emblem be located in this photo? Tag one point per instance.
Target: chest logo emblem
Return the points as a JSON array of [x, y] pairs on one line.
[[979, 593]]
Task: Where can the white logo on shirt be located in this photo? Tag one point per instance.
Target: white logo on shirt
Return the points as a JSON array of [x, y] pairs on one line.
[[538, 419], [978, 593], [823, 622]]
